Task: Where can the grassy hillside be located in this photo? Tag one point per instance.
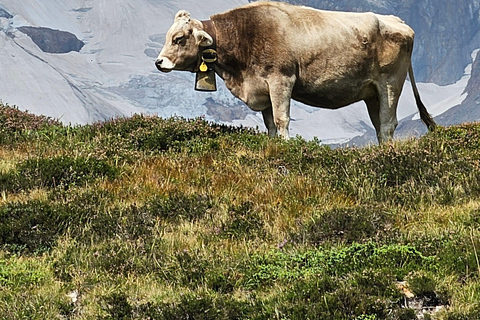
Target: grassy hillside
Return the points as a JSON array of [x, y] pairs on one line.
[[146, 218]]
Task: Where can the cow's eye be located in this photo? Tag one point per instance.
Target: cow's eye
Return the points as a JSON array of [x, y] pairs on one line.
[[178, 40]]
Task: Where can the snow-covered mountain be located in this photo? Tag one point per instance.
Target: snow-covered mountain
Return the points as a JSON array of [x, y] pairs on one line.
[[107, 67], [113, 73]]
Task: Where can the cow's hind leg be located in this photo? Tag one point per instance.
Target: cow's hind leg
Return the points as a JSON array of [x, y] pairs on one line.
[[373, 107], [388, 95], [269, 122]]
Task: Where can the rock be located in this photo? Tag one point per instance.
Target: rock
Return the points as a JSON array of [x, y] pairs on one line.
[[53, 41], [5, 14]]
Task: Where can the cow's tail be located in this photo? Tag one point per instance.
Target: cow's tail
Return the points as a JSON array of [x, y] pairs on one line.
[[424, 115]]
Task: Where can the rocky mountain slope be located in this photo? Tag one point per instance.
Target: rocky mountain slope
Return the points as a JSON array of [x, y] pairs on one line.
[[113, 73], [53, 41]]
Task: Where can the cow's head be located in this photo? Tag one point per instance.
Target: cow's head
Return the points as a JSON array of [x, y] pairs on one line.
[[183, 44]]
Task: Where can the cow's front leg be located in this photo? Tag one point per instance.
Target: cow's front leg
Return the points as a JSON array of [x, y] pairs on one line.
[[280, 94], [281, 116], [269, 122]]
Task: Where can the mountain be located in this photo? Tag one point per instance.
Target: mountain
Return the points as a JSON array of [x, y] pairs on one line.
[[113, 72], [83, 61], [469, 109]]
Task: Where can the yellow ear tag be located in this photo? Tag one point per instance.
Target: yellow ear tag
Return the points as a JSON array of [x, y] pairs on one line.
[[203, 67]]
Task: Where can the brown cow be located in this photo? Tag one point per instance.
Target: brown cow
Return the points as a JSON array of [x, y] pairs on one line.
[[271, 52]]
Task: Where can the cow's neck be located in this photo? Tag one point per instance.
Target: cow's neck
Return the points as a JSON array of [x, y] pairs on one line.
[[226, 66], [221, 66]]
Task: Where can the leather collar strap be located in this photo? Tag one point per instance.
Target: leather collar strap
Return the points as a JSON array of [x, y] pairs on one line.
[[209, 28]]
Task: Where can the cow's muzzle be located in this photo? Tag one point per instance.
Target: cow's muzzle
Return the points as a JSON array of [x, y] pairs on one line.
[[164, 64]]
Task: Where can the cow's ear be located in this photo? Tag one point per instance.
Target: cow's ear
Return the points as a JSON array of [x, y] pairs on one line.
[[203, 38], [182, 14]]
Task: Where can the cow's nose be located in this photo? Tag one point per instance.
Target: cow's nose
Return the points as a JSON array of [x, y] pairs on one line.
[[158, 63]]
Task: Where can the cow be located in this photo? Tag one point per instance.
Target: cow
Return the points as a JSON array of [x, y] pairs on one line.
[[268, 53]]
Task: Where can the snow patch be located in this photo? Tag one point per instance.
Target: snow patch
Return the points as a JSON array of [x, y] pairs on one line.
[[442, 98]]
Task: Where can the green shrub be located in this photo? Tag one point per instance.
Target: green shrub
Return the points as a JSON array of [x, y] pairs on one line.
[[14, 123], [192, 267], [62, 172], [425, 171], [421, 283], [117, 306], [243, 223], [454, 252], [33, 225], [17, 273], [356, 224], [154, 134], [97, 216], [280, 266]]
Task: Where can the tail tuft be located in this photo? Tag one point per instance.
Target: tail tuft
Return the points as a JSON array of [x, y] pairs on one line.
[[424, 115]]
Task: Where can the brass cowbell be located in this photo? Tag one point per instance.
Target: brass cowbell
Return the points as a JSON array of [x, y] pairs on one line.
[[205, 78]]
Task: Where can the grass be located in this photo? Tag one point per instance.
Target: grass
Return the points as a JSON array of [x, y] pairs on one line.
[[150, 218]]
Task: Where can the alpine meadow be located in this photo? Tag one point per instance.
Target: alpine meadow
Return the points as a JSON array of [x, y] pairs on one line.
[[151, 218]]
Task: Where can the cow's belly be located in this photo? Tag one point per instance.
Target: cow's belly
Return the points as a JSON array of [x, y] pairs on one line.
[[333, 95], [253, 92]]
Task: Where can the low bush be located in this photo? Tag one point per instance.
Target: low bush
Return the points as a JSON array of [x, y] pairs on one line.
[[61, 172], [117, 306], [33, 225], [243, 223], [279, 266], [429, 170], [153, 134], [355, 224], [14, 123], [178, 206]]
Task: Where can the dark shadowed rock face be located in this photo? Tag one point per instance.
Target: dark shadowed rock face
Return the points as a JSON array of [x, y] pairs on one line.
[[5, 14], [53, 41], [469, 109]]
